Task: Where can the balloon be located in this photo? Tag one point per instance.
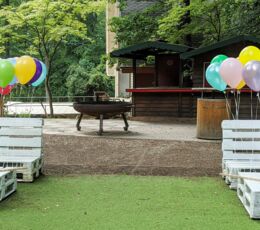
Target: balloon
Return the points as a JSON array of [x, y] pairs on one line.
[[38, 71], [241, 85], [13, 61], [213, 77], [231, 72], [219, 58], [25, 69], [251, 75], [42, 77], [250, 53], [6, 72], [6, 90]]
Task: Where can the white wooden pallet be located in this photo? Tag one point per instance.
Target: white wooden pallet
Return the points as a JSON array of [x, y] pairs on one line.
[[30, 166], [248, 192], [21, 146], [241, 141], [233, 168], [8, 184]]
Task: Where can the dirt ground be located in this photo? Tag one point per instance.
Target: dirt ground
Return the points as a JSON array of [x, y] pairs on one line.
[[68, 154]]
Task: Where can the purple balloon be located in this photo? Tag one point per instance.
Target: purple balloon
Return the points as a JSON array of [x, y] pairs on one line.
[[38, 71], [251, 75]]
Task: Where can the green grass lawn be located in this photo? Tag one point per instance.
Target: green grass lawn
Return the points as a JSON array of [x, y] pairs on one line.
[[124, 202]]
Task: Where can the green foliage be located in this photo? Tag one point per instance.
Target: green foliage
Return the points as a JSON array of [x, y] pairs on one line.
[[62, 33], [84, 81], [211, 21], [139, 26], [204, 21]]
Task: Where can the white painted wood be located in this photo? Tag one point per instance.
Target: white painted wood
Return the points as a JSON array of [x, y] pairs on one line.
[[234, 167], [241, 141], [20, 142], [20, 159], [34, 152], [249, 194], [241, 124], [240, 145], [14, 131], [8, 184], [229, 155], [241, 135], [21, 122], [21, 146]]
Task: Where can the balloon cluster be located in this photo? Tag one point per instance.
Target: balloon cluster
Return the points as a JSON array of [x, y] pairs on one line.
[[226, 71], [23, 70]]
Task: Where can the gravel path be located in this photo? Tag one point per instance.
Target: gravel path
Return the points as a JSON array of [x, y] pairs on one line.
[[68, 154]]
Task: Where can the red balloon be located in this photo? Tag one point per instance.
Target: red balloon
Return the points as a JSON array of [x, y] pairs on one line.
[[6, 90]]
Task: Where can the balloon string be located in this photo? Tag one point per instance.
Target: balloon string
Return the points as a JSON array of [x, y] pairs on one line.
[[235, 104], [228, 108], [238, 100], [257, 103], [251, 105]]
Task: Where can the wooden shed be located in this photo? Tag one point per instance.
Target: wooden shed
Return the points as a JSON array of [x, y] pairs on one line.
[[155, 88], [201, 57], [159, 90]]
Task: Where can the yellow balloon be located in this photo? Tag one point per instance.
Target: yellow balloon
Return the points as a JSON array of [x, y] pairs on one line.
[[241, 85], [250, 53], [25, 69]]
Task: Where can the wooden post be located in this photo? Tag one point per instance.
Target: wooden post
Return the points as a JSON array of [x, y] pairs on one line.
[[156, 80], [1, 106], [134, 73], [134, 84]]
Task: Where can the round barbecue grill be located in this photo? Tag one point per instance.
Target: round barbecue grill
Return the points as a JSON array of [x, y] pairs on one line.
[[101, 109]]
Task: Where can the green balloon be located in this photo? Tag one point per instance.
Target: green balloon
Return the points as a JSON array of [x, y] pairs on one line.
[[219, 59], [6, 73]]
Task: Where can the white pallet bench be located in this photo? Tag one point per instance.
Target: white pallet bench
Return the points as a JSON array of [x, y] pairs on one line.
[[21, 146], [8, 184], [233, 168], [248, 192], [30, 166], [241, 141]]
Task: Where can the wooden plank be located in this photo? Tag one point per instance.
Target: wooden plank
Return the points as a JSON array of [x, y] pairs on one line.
[[20, 142], [21, 122], [229, 144], [17, 131], [241, 124], [5, 151], [228, 133]]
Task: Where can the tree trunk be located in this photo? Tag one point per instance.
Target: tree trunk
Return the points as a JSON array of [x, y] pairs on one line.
[[1, 106], [49, 94], [47, 86]]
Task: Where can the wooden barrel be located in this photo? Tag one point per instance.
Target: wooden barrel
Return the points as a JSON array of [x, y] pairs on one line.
[[210, 114]]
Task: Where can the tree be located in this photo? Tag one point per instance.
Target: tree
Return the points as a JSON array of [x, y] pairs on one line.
[[138, 26], [210, 21], [42, 27]]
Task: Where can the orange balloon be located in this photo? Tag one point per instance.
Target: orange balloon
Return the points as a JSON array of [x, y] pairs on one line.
[[25, 69]]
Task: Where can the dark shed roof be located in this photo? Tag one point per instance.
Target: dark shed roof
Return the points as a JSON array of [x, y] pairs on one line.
[[142, 50], [223, 43]]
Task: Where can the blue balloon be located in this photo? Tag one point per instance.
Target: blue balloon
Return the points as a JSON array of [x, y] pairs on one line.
[[13, 61], [213, 77], [42, 77]]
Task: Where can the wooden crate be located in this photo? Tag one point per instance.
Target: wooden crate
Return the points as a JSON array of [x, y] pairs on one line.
[[248, 192]]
